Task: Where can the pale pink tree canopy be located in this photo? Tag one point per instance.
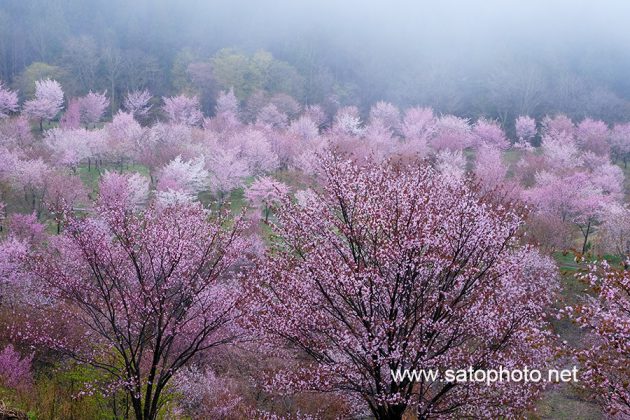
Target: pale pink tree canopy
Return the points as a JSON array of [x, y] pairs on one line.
[[418, 123], [489, 167], [137, 103], [92, 107], [490, 133], [525, 127], [183, 110], [593, 135], [270, 116], [189, 177], [8, 101], [388, 114], [620, 142], [266, 193], [227, 171], [128, 191], [348, 121], [71, 119], [227, 103], [48, 100], [452, 133]]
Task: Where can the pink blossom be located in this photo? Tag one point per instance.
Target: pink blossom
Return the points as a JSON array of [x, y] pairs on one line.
[[137, 103], [92, 107], [15, 370], [8, 101], [525, 128], [392, 267], [47, 103], [183, 110], [265, 194]]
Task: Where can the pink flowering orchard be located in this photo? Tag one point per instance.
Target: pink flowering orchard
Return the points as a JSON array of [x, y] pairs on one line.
[[314, 210], [393, 268]]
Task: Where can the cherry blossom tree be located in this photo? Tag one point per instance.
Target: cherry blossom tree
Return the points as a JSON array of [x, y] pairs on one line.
[[227, 113], [71, 147], [592, 135], [149, 291], [490, 133], [387, 114], [525, 128], [31, 177], [8, 101], [15, 370], [182, 109], [256, 150], [205, 395], [418, 123], [620, 142], [286, 104], [451, 164], [269, 116], [348, 121], [489, 167], [452, 133], [124, 134], [137, 103], [227, 171], [392, 268], [560, 152], [26, 227], [92, 107], [64, 191], [71, 119], [304, 128], [559, 124], [227, 103], [570, 199], [316, 114], [188, 177], [265, 194], [15, 133], [130, 191], [605, 317], [614, 233], [47, 103]]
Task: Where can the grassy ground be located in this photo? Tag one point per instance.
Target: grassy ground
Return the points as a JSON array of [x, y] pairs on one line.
[[565, 401]]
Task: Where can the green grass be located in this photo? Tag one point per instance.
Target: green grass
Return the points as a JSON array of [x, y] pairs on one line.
[[91, 176]]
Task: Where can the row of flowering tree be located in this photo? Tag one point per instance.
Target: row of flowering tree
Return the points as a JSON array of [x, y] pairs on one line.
[[382, 255]]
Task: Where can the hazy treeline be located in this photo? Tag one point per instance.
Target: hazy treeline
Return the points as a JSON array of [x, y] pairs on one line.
[[511, 59]]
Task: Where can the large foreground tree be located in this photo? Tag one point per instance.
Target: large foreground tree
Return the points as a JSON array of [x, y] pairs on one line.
[[139, 294], [393, 268]]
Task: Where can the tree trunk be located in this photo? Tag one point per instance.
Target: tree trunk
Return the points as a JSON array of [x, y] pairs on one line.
[[586, 233], [394, 412]]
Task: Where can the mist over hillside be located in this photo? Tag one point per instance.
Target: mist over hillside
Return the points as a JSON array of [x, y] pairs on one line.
[[497, 59]]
